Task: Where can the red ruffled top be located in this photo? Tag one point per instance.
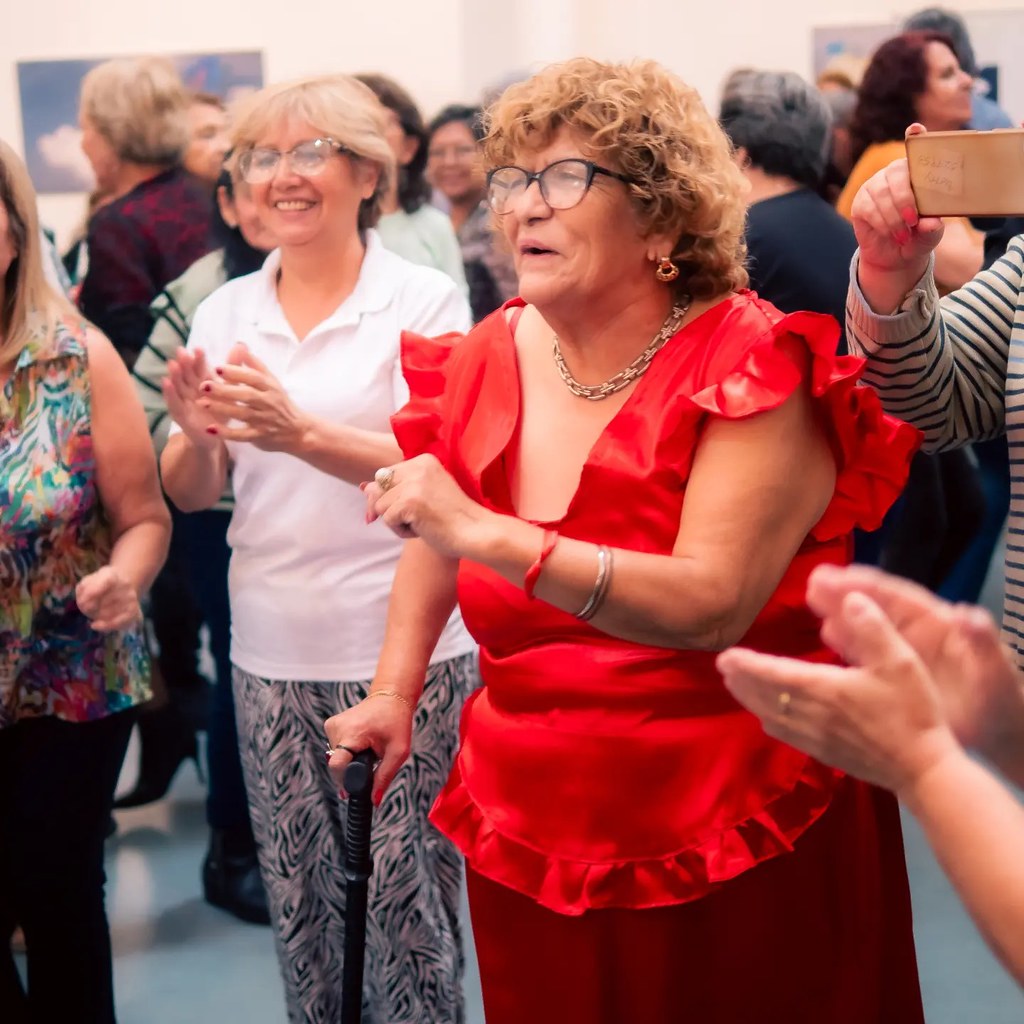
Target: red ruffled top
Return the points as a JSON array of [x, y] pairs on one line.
[[596, 772]]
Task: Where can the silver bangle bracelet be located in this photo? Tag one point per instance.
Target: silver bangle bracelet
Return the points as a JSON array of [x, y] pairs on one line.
[[601, 584]]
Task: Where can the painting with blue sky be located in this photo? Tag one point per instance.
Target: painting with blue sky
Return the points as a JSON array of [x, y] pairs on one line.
[[49, 108]]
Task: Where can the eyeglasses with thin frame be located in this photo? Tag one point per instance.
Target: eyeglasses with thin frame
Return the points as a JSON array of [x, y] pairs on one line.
[[562, 184], [308, 159]]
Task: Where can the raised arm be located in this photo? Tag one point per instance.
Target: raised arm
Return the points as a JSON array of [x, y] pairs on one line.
[[939, 365]]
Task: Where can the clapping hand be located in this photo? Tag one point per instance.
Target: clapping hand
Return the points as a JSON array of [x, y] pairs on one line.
[[182, 389], [247, 403]]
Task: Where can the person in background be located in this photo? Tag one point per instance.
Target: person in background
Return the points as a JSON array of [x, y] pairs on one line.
[[231, 874], [602, 475], [76, 256], [409, 225], [985, 111], [292, 374], [839, 82], [929, 684], [946, 364], [914, 77], [455, 169], [841, 104], [134, 116], [843, 72], [798, 248], [83, 531], [207, 137], [966, 579]]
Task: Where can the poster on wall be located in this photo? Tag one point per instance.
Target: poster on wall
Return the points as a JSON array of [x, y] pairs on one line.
[[995, 37], [49, 108]]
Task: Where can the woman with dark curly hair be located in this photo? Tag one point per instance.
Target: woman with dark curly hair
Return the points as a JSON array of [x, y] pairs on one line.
[[914, 77], [409, 225], [602, 475]]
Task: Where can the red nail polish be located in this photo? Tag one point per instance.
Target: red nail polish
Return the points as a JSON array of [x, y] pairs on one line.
[[219, 371], [211, 430], [342, 795], [909, 215], [206, 387]]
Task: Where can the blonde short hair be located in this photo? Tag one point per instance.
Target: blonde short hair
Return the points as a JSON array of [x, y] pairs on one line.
[[31, 308], [654, 128], [341, 107], [140, 106]]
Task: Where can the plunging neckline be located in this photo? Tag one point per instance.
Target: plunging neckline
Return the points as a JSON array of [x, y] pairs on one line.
[[510, 358]]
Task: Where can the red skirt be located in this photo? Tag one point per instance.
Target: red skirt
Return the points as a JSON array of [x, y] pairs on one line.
[[822, 935]]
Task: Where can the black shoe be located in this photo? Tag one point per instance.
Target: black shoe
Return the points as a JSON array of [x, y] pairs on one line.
[[231, 878], [167, 741]]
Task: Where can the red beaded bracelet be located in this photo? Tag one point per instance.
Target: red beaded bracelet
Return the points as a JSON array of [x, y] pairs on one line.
[[533, 573]]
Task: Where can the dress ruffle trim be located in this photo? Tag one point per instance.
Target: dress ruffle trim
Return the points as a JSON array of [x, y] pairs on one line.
[[418, 425], [573, 887], [873, 450]]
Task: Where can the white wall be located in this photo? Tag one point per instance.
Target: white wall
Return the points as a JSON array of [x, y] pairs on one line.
[[442, 50]]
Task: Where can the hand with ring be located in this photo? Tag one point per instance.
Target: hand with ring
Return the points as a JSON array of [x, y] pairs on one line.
[[420, 498], [382, 724], [880, 720]]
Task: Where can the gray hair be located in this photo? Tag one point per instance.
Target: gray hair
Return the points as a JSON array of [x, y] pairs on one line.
[[140, 107], [782, 122], [936, 19]]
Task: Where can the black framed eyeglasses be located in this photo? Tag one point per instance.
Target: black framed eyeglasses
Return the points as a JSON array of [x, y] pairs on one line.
[[562, 184], [308, 159]]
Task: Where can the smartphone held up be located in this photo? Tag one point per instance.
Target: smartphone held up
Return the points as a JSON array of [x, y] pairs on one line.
[[968, 173]]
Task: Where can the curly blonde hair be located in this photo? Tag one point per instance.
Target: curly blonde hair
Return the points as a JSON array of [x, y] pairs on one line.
[[654, 128]]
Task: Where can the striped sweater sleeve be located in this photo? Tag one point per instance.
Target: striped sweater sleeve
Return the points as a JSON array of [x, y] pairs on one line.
[[942, 365], [170, 332]]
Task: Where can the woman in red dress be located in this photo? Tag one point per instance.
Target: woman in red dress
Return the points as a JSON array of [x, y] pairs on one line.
[[631, 467]]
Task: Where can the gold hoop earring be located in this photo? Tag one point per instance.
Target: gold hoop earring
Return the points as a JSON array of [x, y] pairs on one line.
[[666, 271]]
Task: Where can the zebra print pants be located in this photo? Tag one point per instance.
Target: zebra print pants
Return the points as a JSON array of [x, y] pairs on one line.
[[414, 956]]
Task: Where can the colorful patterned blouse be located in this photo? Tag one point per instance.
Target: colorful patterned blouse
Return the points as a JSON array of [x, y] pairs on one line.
[[52, 534]]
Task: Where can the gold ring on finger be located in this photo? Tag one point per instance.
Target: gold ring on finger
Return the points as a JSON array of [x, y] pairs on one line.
[[384, 478]]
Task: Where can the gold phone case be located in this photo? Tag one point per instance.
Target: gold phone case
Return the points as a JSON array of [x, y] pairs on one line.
[[968, 173]]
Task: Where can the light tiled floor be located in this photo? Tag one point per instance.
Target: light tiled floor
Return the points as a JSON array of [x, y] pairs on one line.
[[179, 961]]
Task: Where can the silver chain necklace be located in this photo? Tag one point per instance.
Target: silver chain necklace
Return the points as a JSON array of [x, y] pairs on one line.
[[635, 370]]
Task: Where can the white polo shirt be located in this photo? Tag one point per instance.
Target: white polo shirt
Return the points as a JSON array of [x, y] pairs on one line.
[[309, 580]]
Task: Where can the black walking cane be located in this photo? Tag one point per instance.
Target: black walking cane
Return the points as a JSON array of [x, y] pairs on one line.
[[358, 783]]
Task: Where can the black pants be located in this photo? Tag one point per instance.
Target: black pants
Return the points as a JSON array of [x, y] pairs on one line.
[[177, 620], [57, 784], [205, 535]]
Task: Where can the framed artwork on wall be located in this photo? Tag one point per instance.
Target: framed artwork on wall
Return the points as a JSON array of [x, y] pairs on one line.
[[48, 91]]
